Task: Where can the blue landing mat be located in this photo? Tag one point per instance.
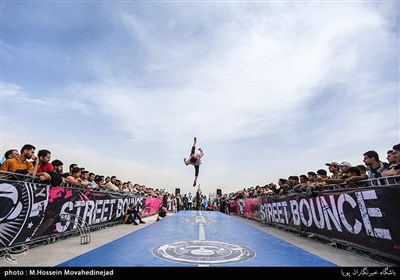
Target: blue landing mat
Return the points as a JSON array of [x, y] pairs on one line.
[[193, 238]]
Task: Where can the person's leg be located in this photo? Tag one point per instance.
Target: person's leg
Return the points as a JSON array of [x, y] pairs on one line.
[[196, 174], [137, 215], [130, 219], [192, 151], [133, 219]]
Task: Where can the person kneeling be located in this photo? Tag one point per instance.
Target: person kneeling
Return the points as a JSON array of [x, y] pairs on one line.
[[134, 213], [162, 212]]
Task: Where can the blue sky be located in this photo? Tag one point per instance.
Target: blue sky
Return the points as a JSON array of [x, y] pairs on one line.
[[270, 89]]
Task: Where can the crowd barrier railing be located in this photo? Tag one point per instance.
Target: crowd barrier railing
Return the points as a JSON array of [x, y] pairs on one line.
[[363, 217], [30, 211]]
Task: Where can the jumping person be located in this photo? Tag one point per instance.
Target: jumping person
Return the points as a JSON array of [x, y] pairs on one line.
[[194, 159]]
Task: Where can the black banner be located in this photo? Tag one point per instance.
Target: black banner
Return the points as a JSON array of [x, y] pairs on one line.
[[30, 211], [366, 217]]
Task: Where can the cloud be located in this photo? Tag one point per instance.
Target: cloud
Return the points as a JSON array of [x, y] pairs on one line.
[[290, 81]]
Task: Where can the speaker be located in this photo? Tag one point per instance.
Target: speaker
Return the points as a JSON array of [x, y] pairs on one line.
[[219, 193], [177, 191]]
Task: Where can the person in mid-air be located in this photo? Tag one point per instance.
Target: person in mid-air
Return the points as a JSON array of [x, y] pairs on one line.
[[195, 160]]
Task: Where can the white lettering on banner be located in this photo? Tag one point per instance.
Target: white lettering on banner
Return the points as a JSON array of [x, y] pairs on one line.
[[280, 204], [308, 222], [112, 203], [371, 212], [78, 205], [295, 212], [284, 204], [343, 198], [42, 192], [88, 213], [97, 211], [104, 210], [262, 212], [328, 212], [270, 216], [319, 223], [93, 212], [64, 210]]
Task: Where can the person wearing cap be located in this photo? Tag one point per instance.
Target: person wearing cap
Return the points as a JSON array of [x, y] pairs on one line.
[[344, 167], [337, 177], [334, 169]]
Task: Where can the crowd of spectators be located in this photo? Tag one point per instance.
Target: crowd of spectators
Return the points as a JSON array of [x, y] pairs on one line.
[[340, 174], [25, 165], [43, 170]]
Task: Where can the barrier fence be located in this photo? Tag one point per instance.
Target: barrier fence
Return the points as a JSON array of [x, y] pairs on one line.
[[365, 218], [31, 211]]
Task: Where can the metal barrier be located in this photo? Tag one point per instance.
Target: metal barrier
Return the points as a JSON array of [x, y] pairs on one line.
[[83, 227]]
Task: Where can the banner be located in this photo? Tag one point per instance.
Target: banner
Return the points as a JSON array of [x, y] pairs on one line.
[[149, 206], [30, 211], [252, 208], [366, 217]]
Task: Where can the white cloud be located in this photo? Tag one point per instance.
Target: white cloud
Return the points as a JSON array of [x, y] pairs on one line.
[[296, 79]]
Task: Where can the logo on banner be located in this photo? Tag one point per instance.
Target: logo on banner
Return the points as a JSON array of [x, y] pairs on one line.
[[22, 211], [199, 220], [203, 252]]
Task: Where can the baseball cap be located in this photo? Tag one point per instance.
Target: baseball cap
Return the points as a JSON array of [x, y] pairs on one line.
[[332, 163]]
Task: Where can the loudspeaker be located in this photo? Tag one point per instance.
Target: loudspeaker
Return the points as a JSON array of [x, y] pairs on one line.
[[177, 191], [219, 193]]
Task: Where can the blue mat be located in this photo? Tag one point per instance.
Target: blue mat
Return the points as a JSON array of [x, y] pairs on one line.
[[192, 238]]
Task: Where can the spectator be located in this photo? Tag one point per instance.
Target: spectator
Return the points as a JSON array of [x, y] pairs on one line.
[[334, 169], [344, 167], [111, 184], [71, 166], [133, 213], [9, 154], [20, 164], [375, 167], [354, 175], [75, 178], [162, 212], [58, 166], [394, 162]]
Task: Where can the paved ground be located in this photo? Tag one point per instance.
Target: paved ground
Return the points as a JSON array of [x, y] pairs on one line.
[[45, 256]]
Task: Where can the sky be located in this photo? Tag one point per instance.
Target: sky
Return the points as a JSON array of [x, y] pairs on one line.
[[270, 89]]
